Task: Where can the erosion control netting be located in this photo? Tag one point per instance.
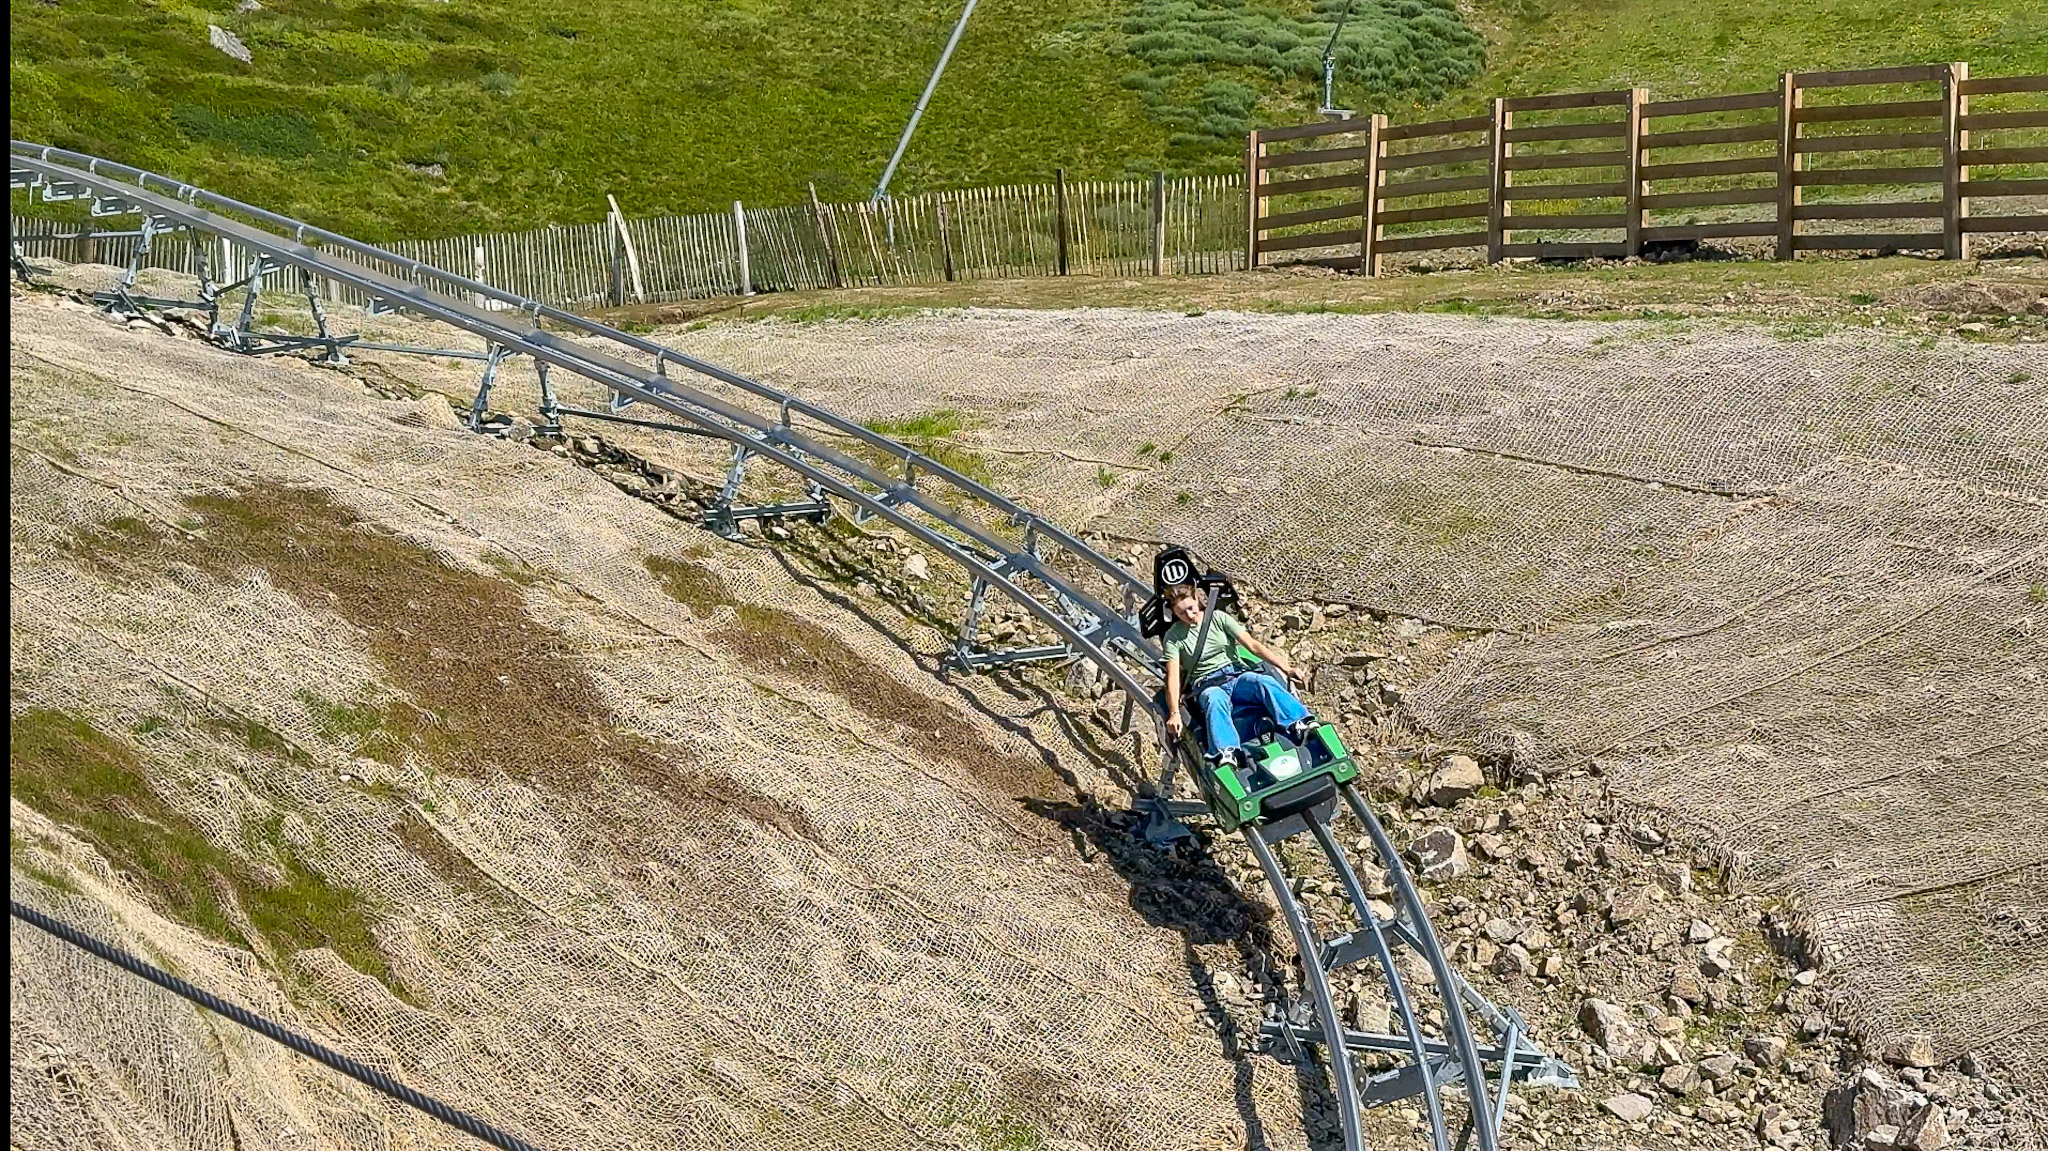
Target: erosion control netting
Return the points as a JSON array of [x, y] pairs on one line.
[[1789, 589], [814, 922]]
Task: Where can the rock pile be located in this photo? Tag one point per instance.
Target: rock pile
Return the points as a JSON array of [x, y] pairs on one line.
[[1692, 1024]]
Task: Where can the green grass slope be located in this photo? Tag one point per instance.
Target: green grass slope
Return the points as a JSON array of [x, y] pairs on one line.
[[390, 118], [1702, 47]]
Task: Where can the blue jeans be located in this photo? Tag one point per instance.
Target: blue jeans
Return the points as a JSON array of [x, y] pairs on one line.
[[1248, 688]]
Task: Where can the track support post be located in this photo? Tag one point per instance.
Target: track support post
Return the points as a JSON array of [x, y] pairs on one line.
[[550, 408], [334, 355], [236, 336], [482, 404], [724, 518], [121, 300]]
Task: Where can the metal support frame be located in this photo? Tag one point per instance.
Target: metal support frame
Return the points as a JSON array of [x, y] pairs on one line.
[[720, 403], [969, 656], [1427, 1065], [19, 259], [917, 113], [236, 335], [550, 409], [724, 517], [482, 403], [120, 299], [334, 353]]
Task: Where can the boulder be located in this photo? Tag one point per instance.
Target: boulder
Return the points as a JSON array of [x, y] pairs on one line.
[[1440, 854], [227, 42], [1513, 960], [1458, 777], [1502, 931], [1630, 1107], [1925, 1131], [1685, 985], [1855, 1109], [1609, 1026], [1718, 1069], [1683, 1080], [1766, 1051], [1626, 906], [1676, 878]]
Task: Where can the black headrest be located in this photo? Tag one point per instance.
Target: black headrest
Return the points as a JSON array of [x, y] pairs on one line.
[[1175, 565]]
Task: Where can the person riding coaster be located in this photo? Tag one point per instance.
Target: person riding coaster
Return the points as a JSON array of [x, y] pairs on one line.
[[1202, 653], [1257, 754]]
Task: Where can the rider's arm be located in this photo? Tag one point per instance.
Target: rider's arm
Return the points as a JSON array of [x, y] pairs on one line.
[[1172, 688], [1266, 652]]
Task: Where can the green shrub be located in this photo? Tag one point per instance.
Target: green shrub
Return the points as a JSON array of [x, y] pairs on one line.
[[1210, 64]]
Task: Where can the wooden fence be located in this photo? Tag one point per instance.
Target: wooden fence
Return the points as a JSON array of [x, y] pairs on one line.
[[1160, 226], [1925, 151]]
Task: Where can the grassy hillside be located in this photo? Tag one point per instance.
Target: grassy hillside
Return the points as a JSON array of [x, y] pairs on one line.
[[396, 118], [1707, 46]]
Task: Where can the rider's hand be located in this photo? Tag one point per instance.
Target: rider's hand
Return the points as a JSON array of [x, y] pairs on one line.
[[1175, 725]]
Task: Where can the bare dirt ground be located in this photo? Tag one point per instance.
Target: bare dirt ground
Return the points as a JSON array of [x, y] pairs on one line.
[[1782, 587], [1739, 617], [1920, 296]]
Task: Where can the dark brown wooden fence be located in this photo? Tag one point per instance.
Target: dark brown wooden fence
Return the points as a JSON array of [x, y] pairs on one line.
[[1925, 154]]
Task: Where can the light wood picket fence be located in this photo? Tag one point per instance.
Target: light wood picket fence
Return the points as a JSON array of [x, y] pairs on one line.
[[1161, 226]]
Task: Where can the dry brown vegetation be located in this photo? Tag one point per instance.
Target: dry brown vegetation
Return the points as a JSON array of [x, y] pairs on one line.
[[779, 643]]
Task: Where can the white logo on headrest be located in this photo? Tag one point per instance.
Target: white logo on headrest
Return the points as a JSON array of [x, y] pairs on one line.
[[1175, 572]]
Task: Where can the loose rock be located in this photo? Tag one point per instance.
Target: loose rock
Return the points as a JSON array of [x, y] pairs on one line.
[[1457, 778], [1767, 1051], [1911, 1051], [227, 42], [1440, 854], [1629, 1107]]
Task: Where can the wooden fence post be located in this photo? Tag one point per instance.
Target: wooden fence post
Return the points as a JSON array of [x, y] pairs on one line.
[[1255, 207], [1060, 207], [631, 252], [1632, 166], [745, 276], [1788, 165], [1497, 197], [825, 238], [1955, 243], [1159, 223], [1369, 217], [480, 270], [618, 259], [945, 242]]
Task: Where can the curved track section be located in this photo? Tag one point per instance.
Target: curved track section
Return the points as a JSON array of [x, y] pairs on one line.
[[1002, 546]]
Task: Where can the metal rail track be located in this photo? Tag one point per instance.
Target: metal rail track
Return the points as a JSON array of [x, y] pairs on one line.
[[1003, 546]]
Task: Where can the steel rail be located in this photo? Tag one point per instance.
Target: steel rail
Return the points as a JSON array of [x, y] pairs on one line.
[[104, 173], [1456, 1028], [1309, 947], [1362, 908], [512, 325], [778, 440]]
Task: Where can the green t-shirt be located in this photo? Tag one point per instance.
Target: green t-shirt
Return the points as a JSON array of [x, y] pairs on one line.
[[1216, 650]]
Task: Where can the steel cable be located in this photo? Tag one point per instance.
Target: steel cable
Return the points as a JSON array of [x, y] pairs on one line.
[[326, 1056]]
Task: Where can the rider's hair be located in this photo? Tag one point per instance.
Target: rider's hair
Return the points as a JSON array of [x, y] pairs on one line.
[[1182, 589]]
